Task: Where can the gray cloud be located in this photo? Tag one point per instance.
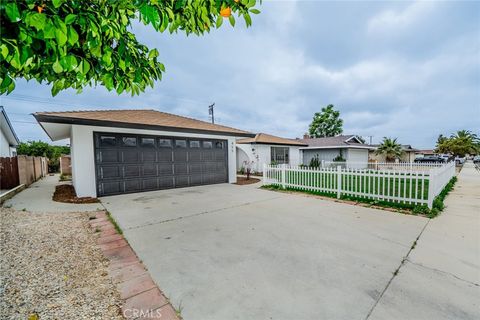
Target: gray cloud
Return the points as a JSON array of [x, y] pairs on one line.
[[406, 70]]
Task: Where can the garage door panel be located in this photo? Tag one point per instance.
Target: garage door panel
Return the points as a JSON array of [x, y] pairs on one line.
[[150, 184], [109, 156], [149, 170], [180, 155], [181, 181], [113, 187], [130, 156], [131, 171], [180, 168], [109, 172], [166, 182], [165, 169], [133, 185], [132, 163], [165, 155], [149, 156]]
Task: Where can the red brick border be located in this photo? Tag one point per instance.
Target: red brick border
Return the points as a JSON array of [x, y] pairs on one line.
[[143, 299]]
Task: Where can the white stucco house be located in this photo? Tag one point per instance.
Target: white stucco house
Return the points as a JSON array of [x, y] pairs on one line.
[[8, 138], [124, 151], [266, 149], [347, 147]]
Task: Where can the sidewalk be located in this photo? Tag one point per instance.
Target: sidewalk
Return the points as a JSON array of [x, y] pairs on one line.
[[441, 277], [38, 198]]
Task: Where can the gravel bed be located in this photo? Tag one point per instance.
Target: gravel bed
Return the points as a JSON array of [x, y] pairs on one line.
[[51, 267]]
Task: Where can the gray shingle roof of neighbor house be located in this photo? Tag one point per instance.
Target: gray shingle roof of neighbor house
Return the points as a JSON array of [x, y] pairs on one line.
[[263, 138], [341, 141], [7, 128], [139, 119]]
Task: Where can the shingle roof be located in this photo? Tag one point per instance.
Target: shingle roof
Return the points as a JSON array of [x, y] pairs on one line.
[[138, 117], [332, 141], [263, 138]]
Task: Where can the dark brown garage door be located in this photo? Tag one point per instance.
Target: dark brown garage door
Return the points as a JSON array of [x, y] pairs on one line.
[[133, 163]]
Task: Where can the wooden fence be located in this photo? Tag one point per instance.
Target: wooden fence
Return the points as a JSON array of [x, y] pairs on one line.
[[409, 187], [19, 170], [9, 173]]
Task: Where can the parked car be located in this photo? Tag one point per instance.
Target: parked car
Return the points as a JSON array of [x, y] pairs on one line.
[[435, 159], [476, 159], [460, 160]]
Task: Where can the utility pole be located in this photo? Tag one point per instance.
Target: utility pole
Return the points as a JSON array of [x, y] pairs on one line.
[[370, 139], [210, 112]]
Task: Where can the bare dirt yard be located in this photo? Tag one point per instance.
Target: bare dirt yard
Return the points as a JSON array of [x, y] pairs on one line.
[[50, 268]]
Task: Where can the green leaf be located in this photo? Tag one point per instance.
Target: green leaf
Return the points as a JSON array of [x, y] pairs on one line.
[[37, 20], [84, 66], [12, 12], [248, 19], [57, 67], [219, 22], [61, 37], [49, 31], [255, 11], [57, 3], [4, 50], [72, 36], [15, 60], [57, 86], [232, 21], [108, 81], [70, 18], [153, 54]]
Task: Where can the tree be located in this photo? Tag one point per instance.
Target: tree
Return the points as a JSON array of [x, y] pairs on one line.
[[390, 149], [41, 149], [326, 123], [72, 44], [460, 144]]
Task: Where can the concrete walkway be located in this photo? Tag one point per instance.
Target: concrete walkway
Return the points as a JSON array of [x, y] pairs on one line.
[[440, 278], [38, 198]]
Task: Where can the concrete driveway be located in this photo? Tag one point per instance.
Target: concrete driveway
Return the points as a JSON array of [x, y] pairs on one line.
[[237, 252]]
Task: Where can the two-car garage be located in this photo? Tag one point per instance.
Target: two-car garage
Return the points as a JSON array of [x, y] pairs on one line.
[[125, 151], [127, 163]]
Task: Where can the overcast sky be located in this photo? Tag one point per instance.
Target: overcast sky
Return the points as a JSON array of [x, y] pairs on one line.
[[399, 69]]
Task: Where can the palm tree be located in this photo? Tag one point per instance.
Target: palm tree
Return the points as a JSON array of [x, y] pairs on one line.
[[390, 149]]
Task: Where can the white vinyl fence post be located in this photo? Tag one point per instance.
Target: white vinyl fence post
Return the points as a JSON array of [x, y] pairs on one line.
[[264, 176], [339, 181], [431, 187], [283, 176]]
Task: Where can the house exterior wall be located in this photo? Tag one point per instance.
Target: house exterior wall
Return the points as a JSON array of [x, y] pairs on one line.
[[323, 154], [260, 154], [83, 154], [5, 149]]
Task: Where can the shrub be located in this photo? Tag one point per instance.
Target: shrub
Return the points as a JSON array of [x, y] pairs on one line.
[[314, 162]]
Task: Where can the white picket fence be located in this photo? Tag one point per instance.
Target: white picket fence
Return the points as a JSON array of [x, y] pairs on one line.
[[410, 187], [397, 166]]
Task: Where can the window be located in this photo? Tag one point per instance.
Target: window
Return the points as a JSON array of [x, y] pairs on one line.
[[219, 145], [279, 155], [207, 144], [108, 141], [181, 143], [147, 142], [194, 144], [129, 141], [165, 143]]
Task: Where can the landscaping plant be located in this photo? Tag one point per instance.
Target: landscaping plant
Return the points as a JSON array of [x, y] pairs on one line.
[[74, 44]]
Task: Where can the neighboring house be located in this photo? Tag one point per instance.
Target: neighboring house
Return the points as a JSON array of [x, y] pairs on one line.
[[8, 138], [348, 147], [407, 156], [423, 153], [123, 151], [267, 149]]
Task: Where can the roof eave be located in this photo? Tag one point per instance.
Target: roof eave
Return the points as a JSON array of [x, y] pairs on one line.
[[104, 123]]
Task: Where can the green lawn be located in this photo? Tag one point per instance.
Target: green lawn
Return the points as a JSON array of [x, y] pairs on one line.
[[386, 187]]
